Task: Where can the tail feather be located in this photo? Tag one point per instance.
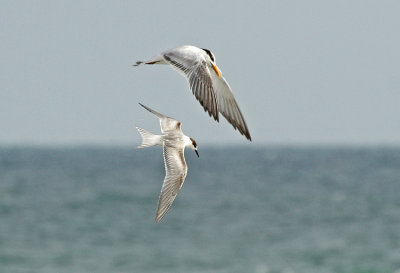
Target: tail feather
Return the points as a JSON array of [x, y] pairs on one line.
[[156, 60], [149, 139], [149, 62], [138, 63]]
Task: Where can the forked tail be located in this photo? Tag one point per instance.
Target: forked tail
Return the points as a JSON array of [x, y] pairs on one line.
[[156, 60], [149, 139], [138, 63]]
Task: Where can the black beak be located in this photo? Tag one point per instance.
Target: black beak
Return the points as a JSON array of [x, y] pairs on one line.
[[197, 153]]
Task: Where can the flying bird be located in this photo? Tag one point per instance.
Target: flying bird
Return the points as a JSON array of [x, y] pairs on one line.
[[173, 142], [206, 81]]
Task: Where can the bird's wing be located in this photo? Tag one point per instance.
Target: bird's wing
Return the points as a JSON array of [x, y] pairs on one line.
[[228, 106], [175, 174], [195, 69], [166, 123]]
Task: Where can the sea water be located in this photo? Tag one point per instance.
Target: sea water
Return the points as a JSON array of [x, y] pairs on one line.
[[259, 209]]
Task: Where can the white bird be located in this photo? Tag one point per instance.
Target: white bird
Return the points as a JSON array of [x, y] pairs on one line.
[[206, 82], [173, 142]]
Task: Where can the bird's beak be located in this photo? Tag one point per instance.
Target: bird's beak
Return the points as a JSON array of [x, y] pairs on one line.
[[216, 69], [197, 153]]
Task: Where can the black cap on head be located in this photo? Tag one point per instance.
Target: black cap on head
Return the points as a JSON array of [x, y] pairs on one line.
[[193, 142], [209, 54]]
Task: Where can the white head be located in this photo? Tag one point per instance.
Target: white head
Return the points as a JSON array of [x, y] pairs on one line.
[[210, 54], [191, 143], [212, 61]]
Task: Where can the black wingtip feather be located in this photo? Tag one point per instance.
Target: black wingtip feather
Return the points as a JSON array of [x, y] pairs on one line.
[[246, 134]]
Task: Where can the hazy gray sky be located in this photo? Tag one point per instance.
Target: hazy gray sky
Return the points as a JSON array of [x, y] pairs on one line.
[[312, 72]]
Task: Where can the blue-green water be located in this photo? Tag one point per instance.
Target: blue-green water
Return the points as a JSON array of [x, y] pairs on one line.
[[240, 210]]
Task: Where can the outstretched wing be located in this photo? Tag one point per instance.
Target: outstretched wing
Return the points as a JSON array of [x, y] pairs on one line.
[[175, 174], [166, 123], [228, 106], [194, 68]]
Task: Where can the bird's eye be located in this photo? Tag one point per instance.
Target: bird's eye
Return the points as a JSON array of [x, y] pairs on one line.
[[193, 142], [209, 54]]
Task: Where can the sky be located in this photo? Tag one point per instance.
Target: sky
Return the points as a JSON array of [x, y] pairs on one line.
[[303, 72]]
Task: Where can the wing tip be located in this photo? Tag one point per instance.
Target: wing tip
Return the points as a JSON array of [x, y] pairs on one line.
[[213, 114], [248, 137], [245, 133], [160, 214]]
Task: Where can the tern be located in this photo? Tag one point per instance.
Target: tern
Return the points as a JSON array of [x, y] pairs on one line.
[[173, 142], [206, 81]]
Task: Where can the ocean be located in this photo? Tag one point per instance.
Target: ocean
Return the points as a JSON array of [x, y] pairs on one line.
[[242, 209]]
